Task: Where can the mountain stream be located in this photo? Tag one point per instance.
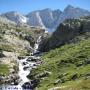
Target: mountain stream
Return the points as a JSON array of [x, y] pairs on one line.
[[25, 66]]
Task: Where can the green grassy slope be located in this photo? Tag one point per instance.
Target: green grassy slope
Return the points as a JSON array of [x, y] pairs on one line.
[[4, 69], [66, 64]]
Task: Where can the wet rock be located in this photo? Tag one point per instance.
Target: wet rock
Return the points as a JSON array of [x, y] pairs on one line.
[[27, 86], [25, 63], [21, 57], [35, 82], [36, 53], [25, 68], [34, 64], [28, 59], [33, 58], [16, 82]]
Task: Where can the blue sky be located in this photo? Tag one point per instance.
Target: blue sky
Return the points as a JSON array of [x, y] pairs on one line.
[[26, 6]]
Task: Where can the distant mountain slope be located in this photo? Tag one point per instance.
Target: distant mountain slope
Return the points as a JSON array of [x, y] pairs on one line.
[[46, 18], [34, 19], [71, 12], [15, 16], [5, 20]]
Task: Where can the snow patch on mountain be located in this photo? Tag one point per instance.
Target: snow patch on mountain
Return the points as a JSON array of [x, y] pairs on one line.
[[15, 16]]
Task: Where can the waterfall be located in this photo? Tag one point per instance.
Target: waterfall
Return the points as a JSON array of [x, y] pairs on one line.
[[37, 44], [23, 73]]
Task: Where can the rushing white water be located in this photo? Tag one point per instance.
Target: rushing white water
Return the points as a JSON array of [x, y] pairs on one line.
[[29, 65], [37, 44], [23, 73]]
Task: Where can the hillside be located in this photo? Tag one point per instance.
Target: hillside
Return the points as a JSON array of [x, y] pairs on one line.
[[66, 66]]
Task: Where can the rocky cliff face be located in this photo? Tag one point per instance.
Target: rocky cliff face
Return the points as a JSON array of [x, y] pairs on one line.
[[67, 31], [43, 18]]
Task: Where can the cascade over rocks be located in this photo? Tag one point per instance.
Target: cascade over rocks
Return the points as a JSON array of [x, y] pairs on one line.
[[26, 64]]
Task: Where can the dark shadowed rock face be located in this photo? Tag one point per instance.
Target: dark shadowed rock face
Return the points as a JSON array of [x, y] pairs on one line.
[[63, 34], [1, 54], [30, 39], [66, 31]]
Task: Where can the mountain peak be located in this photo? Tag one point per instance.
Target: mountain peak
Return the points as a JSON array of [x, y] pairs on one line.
[[57, 10], [69, 7], [46, 10]]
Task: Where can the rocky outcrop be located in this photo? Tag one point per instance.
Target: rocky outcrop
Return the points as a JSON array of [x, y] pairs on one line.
[[30, 39], [66, 32]]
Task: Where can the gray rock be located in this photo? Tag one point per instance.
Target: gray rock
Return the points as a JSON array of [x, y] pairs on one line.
[[57, 82], [43, 74], [74, 77]]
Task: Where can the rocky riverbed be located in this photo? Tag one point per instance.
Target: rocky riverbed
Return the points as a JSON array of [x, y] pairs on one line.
[[25, 64]]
